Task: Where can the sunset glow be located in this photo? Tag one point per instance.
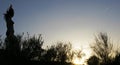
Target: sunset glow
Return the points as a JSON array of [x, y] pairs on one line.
[[66, 21], [77, 61]]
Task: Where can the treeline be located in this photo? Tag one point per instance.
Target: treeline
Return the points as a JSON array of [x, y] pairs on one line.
[[29, 50]]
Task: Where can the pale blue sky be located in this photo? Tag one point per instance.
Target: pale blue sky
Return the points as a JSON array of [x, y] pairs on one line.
[[64, 20]]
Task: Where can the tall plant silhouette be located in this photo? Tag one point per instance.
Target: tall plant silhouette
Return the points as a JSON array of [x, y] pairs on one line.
[[60, 52], [32, 47], [12, 46], [103, 48]]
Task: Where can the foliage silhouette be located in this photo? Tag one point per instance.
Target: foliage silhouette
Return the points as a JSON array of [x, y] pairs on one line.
[[103, 49], [93, 60], [32, 47], [28, 49], [60, 52], [31, 52], [9, 23]]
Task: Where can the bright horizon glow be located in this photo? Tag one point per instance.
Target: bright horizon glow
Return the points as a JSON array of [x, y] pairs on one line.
[[78, 61], [85, 50]]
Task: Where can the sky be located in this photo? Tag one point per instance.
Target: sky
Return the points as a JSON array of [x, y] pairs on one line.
[[75, 21]]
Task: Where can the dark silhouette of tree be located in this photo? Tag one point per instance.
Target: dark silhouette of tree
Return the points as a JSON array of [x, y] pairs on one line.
[[50, 54], [12, 46], [103, 48], [9, 23], [93, 60], [63, 50], [32, 47], [60, 52]]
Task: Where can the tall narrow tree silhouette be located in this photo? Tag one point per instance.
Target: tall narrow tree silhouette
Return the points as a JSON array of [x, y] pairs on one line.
[[12, 45], [9, 23], [103, 48]]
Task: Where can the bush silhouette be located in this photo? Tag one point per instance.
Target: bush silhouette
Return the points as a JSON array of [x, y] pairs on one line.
[[32, 47], [103, 49], [60, 52], [93, 60]]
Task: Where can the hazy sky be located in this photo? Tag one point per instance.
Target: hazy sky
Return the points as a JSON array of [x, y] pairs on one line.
[[76, 21]]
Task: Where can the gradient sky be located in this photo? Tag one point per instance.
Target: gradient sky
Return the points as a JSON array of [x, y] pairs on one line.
[[75, 21]]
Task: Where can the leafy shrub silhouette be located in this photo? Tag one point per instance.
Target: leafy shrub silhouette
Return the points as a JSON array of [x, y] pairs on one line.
[[103, 49], [93, 60], [60, 52], [32, 47], [50, 54]]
